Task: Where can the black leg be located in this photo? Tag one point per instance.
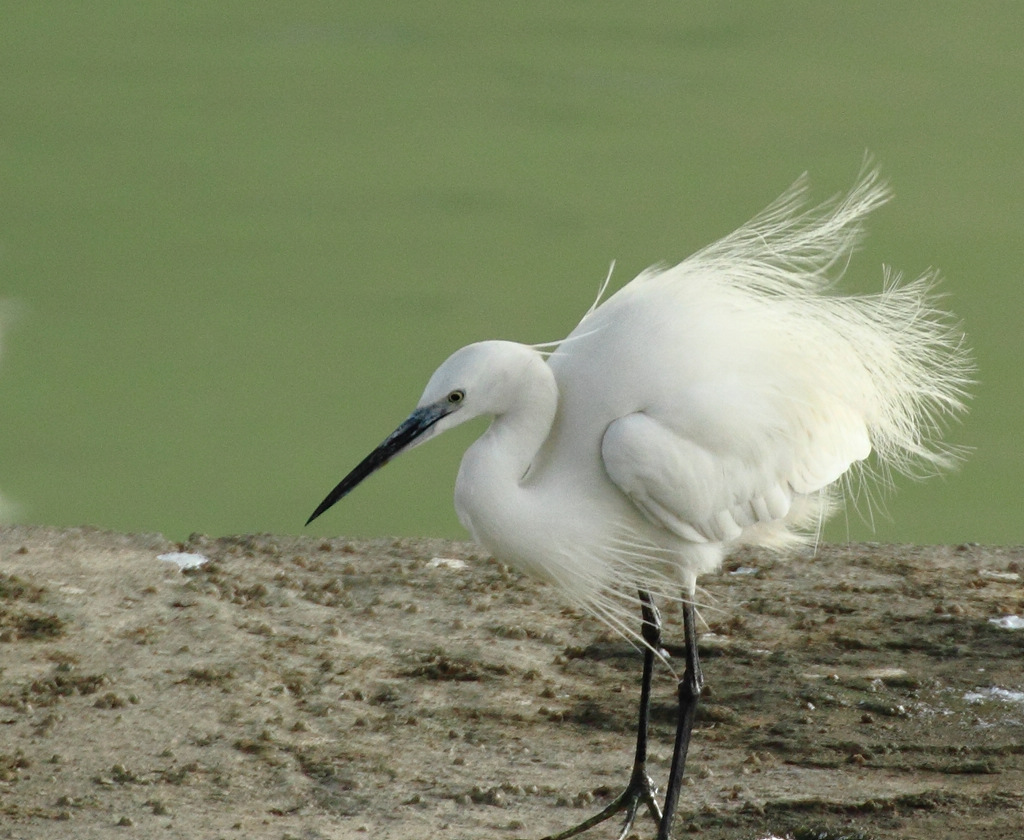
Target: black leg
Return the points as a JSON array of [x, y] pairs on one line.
[[640, 789], [689, 693]]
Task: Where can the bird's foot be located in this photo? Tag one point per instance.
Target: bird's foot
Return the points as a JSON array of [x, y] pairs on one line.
[[639, 791]]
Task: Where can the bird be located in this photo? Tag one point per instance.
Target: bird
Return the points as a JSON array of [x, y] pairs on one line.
[[735, 398]]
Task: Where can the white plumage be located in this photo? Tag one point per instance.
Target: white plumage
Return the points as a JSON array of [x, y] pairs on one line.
[[713, 403], [722, 401]]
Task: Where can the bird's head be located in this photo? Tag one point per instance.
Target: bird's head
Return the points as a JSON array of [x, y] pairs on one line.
[[480, 379]]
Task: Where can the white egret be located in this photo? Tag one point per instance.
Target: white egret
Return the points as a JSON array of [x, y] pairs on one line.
[[720, 402]]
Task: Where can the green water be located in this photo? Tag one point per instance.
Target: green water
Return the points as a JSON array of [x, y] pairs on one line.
[[240, 236]]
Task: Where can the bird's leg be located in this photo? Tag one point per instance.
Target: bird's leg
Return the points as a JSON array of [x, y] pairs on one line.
[[689, 693], [640, 788]]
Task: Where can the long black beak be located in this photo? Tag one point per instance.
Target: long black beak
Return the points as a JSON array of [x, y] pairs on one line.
[[399, 440]]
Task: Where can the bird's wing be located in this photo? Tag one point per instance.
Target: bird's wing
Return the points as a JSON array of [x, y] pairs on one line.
[[705, 490], [731, 387]]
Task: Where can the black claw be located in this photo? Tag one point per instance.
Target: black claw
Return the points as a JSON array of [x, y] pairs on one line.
[[640, 790]]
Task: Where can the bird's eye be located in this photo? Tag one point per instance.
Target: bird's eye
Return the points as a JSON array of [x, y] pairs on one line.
[[455, 397]]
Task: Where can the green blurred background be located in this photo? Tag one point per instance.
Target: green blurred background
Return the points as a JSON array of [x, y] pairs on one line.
[[237, 237]]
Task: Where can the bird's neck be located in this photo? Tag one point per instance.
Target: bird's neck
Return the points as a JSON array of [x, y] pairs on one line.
[[489, 494]]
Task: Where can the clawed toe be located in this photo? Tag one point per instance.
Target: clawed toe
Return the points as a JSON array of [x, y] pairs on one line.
[[640, 791]]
